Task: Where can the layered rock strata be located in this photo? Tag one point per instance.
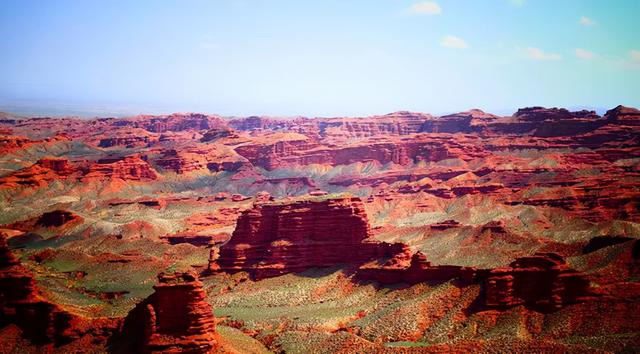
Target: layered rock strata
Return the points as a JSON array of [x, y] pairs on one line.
[[130, 168], [174, 319], [412, 269], [543, 281], [21, 304], [273, 239]]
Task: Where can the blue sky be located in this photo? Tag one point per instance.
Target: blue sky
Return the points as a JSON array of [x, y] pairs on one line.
[[316, 58]]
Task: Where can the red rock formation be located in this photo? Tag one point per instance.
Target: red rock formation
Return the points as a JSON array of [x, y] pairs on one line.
[[472, 121], [259, 123], [59, 165], [620, 199], [274, 239], [56, 219], [543, 282], [300, 182], [191, 238], [397, 123], [445, 225], [302, 151], [622, 115], [155, 203], [405, 268], [128, 138], [548, 122], [215, 134], [41, 173], [174, 122], [176, 318], [214, 158], [130, 168], [40, 321], [18, 142]]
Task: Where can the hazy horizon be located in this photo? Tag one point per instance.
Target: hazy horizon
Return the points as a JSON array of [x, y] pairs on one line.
[[87, 112]]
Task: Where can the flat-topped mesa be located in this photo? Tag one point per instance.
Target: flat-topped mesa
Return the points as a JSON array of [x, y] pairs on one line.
[[174, 122], [543, 282], [41, 173], [549, 122], [213, 158], [622, 115], [130, 168], [542, 114], [126, 137], [412, 269], [176, 318], [396, 123], [273, 239], [472, 121], [57, 218], [259, 123], [59, 165], [299, 151]]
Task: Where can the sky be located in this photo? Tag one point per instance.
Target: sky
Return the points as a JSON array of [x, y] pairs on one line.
[[316, 58]]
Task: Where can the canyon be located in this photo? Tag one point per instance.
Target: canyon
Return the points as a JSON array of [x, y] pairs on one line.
[[192, 232]]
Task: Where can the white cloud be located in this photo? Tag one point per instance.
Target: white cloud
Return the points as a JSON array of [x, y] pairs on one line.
[[207, 45], [453, 42], [635, 55], [539, 54], [586, 21], [584, 54], [425, 8]]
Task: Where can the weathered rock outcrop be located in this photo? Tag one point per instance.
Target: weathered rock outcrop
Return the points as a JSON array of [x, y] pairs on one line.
[[173, 122], [128, 138], [213, 158], [622, 115], [274, 239], [401, 151], [259, 123], [130, 168], [397, 123], [58, 218], [176, 318], [20, 303], [412, 269], [473, 121], [543, 282], [41, 173]]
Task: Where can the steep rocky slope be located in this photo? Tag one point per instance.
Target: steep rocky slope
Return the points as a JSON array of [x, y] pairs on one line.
[[274, 239], [174, 319]]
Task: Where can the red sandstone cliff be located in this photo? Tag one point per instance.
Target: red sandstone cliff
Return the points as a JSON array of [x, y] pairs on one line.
[[52, 219], [40, 321], [213, 158], [174, 319], [40, 174], [412, 269], [274, 239], [543, 281], [130, 168], [173, 122]]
